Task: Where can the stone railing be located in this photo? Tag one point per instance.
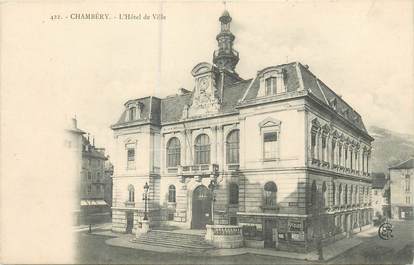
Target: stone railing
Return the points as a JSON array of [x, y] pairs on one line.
[[192, 170], [225, 236]]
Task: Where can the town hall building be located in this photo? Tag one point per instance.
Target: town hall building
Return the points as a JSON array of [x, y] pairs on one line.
[[279, 155]]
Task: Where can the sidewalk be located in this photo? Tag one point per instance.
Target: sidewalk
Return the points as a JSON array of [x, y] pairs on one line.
[[80, 228], [329, 252]]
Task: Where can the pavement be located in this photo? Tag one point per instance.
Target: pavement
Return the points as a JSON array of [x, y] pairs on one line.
[[329, 252], [104, 226]]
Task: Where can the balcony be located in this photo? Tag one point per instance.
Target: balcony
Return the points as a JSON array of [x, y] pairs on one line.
[[198, 170]]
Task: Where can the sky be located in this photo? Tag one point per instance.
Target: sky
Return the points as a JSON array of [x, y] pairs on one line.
[[363, 50]]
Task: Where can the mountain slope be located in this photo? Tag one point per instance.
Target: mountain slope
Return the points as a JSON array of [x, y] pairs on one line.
[[389, 148]]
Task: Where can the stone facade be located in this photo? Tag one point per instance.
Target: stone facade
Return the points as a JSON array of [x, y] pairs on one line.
[[402, 187], [280, 155]]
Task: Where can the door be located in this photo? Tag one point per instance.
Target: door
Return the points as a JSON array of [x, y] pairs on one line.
[[269, 233], [130, 222], [201, 212]]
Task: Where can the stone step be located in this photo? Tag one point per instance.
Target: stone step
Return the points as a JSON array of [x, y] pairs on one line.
[[173, 244], [174, 239]]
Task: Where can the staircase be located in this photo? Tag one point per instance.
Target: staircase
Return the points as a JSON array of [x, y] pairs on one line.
[[174, 239]]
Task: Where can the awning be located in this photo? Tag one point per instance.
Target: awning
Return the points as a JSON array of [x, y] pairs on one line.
[[93, 203]]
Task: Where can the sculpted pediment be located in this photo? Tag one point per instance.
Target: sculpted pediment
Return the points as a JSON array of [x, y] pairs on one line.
[[202, 68], [269, 122]]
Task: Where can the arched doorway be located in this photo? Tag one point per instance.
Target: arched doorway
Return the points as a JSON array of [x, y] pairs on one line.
[[201, 212]]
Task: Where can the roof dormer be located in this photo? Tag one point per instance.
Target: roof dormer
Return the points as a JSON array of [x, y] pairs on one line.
[[271, 82], [133, 110]]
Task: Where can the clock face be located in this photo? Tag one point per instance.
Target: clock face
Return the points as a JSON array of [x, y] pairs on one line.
[[203, 84]]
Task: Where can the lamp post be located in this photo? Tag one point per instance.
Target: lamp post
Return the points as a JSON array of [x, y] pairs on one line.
[[212, 186], [145, 198]]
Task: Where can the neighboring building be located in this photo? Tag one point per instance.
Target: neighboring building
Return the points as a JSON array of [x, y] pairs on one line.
[[108, 172], [380, 195], [93, 205], [279, 154], [73, 143], [402, 188]]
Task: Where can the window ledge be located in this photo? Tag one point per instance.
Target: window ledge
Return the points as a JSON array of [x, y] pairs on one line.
[[270, 159]]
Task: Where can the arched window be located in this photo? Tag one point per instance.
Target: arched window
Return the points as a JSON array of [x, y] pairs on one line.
[[173, 152], [356, 195], [171, 193], [340, 201], [270, 84], [232, 147], [202, 149], [351, 195], [313, 194], [234, 193], [270, 192], [324, 194], [313, 141], [132, 113], [131, 193], [362, 195], [333, 193], [346, 194]]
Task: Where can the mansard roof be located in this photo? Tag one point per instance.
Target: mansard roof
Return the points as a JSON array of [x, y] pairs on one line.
[[240, 93], [172, 107], [298, 77]]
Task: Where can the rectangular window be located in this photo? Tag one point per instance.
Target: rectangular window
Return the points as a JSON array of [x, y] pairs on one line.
[[407, 183], [313, 144], [270, 145], [131, 158], [270, 85]]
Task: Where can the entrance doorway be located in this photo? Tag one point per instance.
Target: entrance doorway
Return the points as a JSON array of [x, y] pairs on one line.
[[130, 222], [201, 212], [270, 233]]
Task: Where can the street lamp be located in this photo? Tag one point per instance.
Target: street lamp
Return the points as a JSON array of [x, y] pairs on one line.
[[145, 198], [212, 186]]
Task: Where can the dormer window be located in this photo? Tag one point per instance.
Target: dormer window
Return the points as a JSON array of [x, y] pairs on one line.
[[270, 85], [132, 113], [271, 82]]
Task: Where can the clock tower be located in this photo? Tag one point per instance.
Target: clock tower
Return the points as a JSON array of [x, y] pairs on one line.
[[225, 57], [206, 96]]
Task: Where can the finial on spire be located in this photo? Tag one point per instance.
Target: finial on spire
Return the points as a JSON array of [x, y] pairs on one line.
[[225, 57]]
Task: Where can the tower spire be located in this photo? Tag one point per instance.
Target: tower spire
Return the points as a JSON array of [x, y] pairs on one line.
[[225, 57]]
